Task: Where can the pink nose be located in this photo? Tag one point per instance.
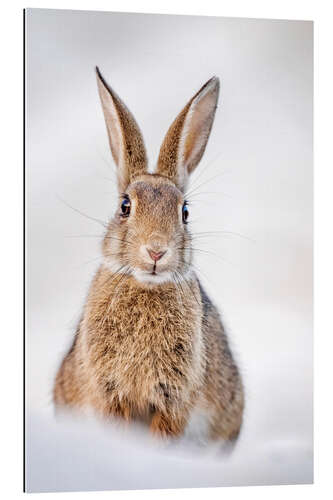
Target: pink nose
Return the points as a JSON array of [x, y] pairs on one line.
[[155, 255]]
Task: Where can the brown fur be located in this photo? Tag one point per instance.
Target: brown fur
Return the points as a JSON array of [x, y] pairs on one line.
[[144, 348], [168, 160], [133, 149]]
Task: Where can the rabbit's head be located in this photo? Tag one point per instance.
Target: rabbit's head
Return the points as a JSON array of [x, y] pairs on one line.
[[148, 236]]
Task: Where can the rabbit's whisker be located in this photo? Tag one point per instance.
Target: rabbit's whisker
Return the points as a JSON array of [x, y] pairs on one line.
[[201, 193], [89, 261], [99, 221], [99, 236], [197, 269], [118, 239], [195, 249], [191, 191], [121, 278], [187, 286], [109, 165], [204, 169], [84, 236], [177, 282], [221, 233]]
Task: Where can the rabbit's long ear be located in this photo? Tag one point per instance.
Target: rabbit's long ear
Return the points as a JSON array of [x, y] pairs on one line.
[[186, 139], [125, 138]]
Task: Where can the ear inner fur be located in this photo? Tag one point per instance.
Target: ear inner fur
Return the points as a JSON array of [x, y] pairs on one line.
[[125, 138], [187, 137]]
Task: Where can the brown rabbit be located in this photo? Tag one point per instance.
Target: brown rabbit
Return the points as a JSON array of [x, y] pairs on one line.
[[150, 343]]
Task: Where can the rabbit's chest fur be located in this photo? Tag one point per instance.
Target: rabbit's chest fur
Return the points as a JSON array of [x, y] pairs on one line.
[[144, 344]]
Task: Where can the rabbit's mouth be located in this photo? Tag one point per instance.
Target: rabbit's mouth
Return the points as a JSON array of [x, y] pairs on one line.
[[153, 277], [154, 273]]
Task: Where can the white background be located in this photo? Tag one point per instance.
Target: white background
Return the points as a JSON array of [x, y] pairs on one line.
[[13, 151], [255, 183]]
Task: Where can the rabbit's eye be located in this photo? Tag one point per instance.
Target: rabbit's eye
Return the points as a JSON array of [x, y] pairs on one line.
[[125, 207], [186, 213]]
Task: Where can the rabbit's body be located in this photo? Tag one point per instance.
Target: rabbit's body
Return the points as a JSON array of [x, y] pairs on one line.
[[161, 350], [150, 343]]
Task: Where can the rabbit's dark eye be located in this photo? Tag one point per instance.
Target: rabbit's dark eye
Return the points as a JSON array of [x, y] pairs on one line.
[[186, 213], [125, 207]]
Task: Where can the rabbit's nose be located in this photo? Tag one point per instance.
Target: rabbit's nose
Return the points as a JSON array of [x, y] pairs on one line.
[[155, 255]]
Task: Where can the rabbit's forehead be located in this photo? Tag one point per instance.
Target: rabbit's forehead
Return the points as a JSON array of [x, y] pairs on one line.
[[157, 194]]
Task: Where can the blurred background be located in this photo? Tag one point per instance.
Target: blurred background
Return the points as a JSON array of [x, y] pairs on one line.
[[251, 194]]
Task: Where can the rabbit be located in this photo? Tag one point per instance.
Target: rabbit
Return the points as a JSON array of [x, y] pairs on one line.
[[150, 344]]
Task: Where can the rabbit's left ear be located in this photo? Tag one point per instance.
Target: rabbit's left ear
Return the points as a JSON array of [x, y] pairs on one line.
[[187, 137], [125, 138]]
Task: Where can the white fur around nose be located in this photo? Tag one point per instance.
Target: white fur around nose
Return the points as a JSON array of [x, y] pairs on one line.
[[143, 253]]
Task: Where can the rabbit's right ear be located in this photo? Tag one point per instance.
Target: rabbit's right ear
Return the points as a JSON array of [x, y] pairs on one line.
[[187, 137], [125, 138]]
